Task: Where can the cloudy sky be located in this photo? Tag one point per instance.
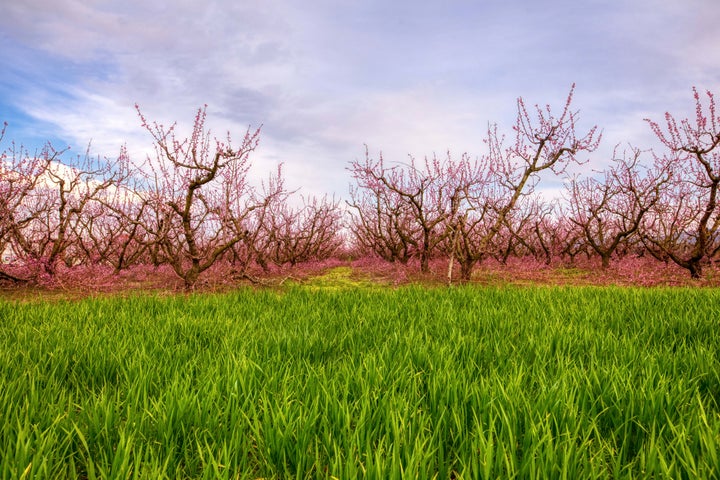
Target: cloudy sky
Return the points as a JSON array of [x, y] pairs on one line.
[[326, 77]]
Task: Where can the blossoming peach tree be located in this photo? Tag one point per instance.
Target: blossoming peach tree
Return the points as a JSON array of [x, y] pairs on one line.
[[684, 225]]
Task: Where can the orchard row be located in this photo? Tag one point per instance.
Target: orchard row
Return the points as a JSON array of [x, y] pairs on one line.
[[193, 205]]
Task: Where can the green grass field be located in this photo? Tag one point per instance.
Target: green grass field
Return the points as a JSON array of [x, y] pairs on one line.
[[346, 382]]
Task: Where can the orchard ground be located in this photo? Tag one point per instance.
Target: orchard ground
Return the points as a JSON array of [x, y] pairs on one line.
[[83, 281]]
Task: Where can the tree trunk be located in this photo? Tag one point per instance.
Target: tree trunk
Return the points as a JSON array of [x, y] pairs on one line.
[[191, 276], [605, 261], [695, 269], [466, 269], [424, 263]]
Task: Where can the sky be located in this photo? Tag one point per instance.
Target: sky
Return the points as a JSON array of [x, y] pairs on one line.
[[325, 78]]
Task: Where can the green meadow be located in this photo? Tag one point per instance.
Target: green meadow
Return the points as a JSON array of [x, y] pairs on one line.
[[347, 381]]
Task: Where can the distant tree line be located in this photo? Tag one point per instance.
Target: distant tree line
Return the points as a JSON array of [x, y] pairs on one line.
[[192, 204]]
